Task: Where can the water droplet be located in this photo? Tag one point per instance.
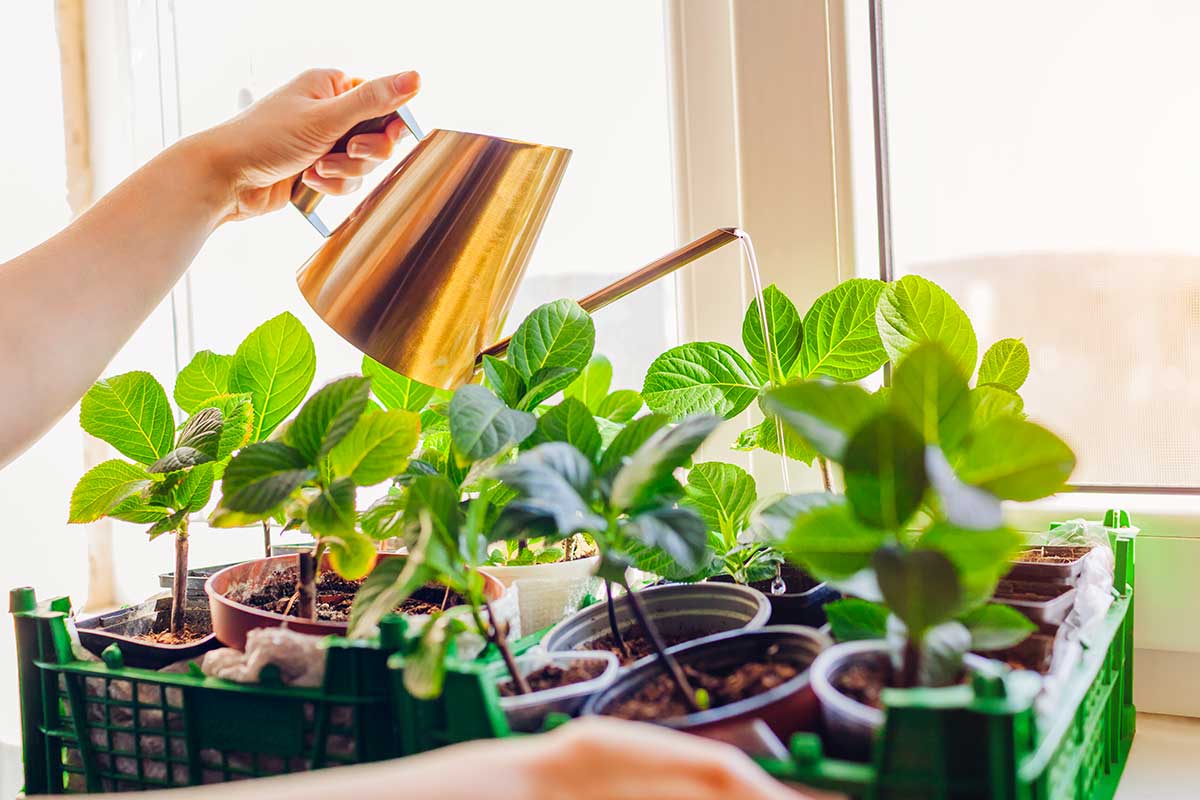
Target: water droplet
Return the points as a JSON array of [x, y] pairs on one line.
[[779, 585]]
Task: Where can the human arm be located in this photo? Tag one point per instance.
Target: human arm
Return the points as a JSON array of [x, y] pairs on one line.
[[68, 305]]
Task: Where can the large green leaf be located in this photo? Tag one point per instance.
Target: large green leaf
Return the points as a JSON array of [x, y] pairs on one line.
[[991, 400], [205, 376], [570, 421], [765, 436], [385, 517], [825, 414], [997, 627], [1016, 460], [391, 583], [551, 482], [930, 391], [678, 532], [841, 339], [620, 406], [195, 490], [275, 364], [591, 387], [722, 494], [328, 416], [557, 334], [237, 421], [783, 328], [395, 391], [884, 470], [1006, 363], [351, 554], [920, 587], [659, 456], [852, 619], [331, 513], [377, 447], [262, 476], [962, 504], [504, 380], [198, 442], [105, 487], [131, 412], [544, 384], [482, 426], [773, 517], [831, 543], [980, 556], [914, 310], [631, 437], [699, 378]]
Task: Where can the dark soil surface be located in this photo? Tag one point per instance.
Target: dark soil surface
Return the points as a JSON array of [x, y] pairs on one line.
[[196, 625], [798, 581], [552, 677], [166, 637], [638, 645], [658, 698], [335, 596], [864, 681], [1039, 555]]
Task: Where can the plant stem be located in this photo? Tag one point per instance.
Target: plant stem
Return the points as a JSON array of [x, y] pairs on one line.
[[825, 479], [612, 620], [499, 638], [179, 583], [660, 649], [306, 586], [266, 525], [910, 661]]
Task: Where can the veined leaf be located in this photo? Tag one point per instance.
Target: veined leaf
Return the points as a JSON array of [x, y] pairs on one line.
[[385, 517], [919, 586], [557, 334], [825, 414], [1007, 363], [544, 384], [482, 426], [701, 377], [262, 476], [659, 456], [351, 554], [377, 447], [773, 517], [841, 339], [570, 421], [991, 400], [104, 487], [914, 310], [168, 524], [765, 436], [202, 431], [180, 458], [275, 364], [205, 376], [980, 556], [852, 619], [591, 387], [678, 532], [131, 412], [391, 583], [1016, 460], [722, 494], [237, 421], [504, 380], [930, 391], [783, 328], [195, 490], [332, 513], [620, 406], [884, 469], [830, 543], [328, 416], [395, 391], [631, 437]]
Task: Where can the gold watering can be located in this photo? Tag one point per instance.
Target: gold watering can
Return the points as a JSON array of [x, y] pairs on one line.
[[421, 275]]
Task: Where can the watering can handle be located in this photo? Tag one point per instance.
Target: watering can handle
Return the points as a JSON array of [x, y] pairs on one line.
[[305, 199]]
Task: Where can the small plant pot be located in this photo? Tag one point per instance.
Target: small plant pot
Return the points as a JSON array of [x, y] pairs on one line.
[[196, 578], [1046, 604], [850, 725], [120, 627], [786, 708], [681, 612], [802, 603], [527, 713], [548, 592], [1056, 564], [1036, 653], [232, 620]]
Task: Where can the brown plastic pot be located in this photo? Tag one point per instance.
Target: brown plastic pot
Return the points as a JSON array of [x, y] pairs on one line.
[[232, 620], [1050, 608], [786, 709], [1065, 573], [1035, 653]]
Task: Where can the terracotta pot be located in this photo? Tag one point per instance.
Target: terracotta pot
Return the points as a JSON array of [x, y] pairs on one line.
[[121, 626], [232, 620], [786, 709]]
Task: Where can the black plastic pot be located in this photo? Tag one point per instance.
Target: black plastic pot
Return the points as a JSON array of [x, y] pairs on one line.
[[802, 604], [121, 626]]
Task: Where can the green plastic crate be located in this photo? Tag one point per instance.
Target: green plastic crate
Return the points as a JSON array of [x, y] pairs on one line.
[[92, 727]]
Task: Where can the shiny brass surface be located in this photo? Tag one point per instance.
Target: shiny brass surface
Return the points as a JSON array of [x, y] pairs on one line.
[[647, 274], [422, 274]]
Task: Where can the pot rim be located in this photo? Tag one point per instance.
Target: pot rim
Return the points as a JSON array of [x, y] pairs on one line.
[[612, 666], [498, 589], [714, 642]]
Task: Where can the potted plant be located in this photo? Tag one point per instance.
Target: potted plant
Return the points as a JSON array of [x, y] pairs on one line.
[[919, 528]]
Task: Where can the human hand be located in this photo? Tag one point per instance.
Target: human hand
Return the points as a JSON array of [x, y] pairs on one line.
[[259, 153]]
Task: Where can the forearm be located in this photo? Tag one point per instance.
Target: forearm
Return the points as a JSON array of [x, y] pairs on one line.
[[67, 306]]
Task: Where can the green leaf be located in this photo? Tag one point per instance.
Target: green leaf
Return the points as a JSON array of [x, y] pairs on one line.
[[377, 447], [391, 583], [941, 649], [722, 494], [830, 543], [963, 505], [328, 416], [1016, 460], [557, 334], [659, 456], [591, 387], [991, 400], [930, 391], [205, 376], [262, 476], [351, 554], [620, 406], [914, 310], [395, 391], [331, 513], [168, 524], [131, 412], [920, 587], [385, 517], [631, 437], [199, 441], [678, 532], [825, 414], [774, 516], [237, 421], [570, 421], [884, 470], [195, 490], [504, 380], [765, 436], [980, 556], [841, 339], [275, 364], [434, 497], [551, 482], [701, 377], [136, 510], [482, 426], [104, 487], [544, 384], [852, 619], [997, 627], [783, 328], [179, 458], [425, 668], [1006, 363]]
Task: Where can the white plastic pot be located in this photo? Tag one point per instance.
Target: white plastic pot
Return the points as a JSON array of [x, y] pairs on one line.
[[526, 713], [549, 592]]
